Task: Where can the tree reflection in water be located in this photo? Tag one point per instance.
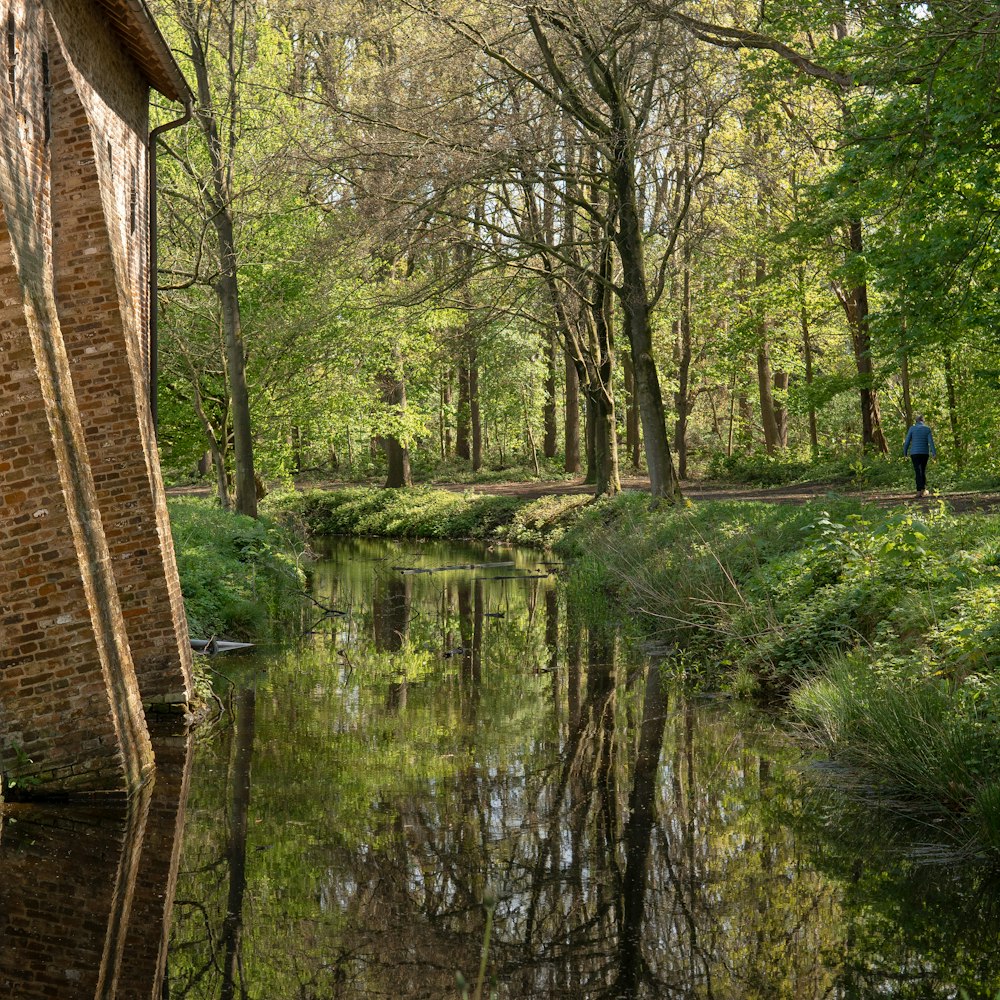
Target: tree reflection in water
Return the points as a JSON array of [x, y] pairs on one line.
[[463, 730]]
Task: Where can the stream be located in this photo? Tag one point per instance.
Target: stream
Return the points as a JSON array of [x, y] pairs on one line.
[[451, 731]]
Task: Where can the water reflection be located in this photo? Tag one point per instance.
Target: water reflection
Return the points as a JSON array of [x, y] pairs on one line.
[[87, 891], [463, 729]]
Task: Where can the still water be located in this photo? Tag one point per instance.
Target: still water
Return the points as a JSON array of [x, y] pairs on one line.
[[448, 730]]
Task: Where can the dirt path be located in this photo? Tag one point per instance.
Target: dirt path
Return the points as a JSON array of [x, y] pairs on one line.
[[798, 494]]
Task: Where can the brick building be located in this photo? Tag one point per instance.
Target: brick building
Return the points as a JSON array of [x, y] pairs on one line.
[[91, 620]]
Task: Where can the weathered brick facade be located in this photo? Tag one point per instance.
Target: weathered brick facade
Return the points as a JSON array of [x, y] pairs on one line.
[[91, 618]]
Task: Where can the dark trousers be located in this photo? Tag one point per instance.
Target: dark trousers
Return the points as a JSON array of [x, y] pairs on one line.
[[920, 470]]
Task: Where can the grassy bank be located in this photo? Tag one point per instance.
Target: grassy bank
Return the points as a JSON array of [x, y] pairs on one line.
[[241, 578], [880, 628], [423, 512]]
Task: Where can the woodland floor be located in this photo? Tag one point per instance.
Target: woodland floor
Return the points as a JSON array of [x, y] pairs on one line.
[[959, 501]]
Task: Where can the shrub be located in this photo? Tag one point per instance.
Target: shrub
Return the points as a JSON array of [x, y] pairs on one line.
[[758, 468]]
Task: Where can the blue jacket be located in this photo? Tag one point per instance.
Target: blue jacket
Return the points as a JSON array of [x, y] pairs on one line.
[[919, 441]]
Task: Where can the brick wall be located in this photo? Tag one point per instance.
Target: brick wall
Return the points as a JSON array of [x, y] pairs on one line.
[[88, 583], [99, 249]]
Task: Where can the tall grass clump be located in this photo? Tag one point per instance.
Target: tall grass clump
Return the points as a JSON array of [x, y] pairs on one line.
[[241, 578], [915, 743]]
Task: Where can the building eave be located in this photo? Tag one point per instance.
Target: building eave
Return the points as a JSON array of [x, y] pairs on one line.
[[136, 27]]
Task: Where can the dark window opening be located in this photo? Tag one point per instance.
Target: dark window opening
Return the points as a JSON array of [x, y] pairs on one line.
[[133, 200], [12, 53], [46, 96]]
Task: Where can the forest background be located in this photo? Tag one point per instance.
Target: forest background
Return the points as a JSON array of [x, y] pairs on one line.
[[446, 239]]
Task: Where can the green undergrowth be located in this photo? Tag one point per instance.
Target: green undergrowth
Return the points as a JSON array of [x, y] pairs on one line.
[[241, 578], [881, 629], [422, 512]]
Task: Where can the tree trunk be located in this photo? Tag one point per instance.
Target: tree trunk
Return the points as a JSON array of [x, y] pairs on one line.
[[638, 835], [949, 381], [296, 443], [228, 293], [768, 418], [571, 424], [732, 419], [780, 410], [904, 376], [219, 203], [633, 441], [601, 410], [663, 483], [682, 396], [446, 442], [808, 358], [216, 448], [474, 416], [590, 476], [855, 303], [396, 453], [463, 426], [746, 414], [767, 414], [529, 437], [551, 434]]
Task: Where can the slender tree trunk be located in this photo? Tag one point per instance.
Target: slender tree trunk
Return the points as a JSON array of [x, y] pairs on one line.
[[768, 417], [633, 441], [529, 437], [228, 293], [855, 302], [682, 396], [780, 410], [474, 414], [808, 358], [463, 426], [219, 204], [949, 382], [446, 442], [216, 448], [732, 420], [746, 415], [904, 376], [551, 434], [590, 477], [571, 423], [296, 443]]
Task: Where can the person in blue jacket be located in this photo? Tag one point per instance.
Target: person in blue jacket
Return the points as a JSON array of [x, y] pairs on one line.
[[919, 444]]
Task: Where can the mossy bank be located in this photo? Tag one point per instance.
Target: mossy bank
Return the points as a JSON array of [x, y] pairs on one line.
[[423, 512]]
